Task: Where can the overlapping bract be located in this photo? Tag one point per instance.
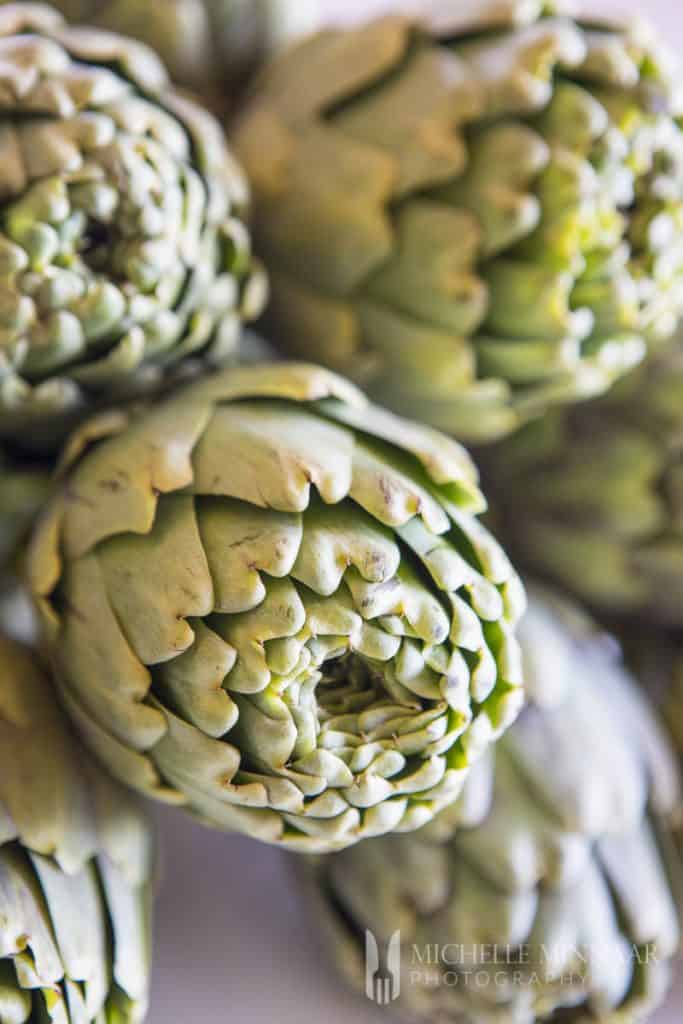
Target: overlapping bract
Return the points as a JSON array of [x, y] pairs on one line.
[[123, 252], [477, 223], [206, 44], [594, 497], [75, 868], [273, 602], [554, 894]]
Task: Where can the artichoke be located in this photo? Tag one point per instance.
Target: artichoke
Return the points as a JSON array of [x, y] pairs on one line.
[[75, 869], [474, 222], [272, 602], [123, 253], [593, 497], [552, 899], [206, 44]]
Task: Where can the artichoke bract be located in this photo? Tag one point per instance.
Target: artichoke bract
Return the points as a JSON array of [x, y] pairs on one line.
[[593, 498], [553, 898], [124, 256], [206, 44], [75, 868], [272, 602], [476, 222]]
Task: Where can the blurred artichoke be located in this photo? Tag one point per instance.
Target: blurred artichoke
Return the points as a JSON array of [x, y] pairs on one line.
[[272, 602], [75, 859], [206, 44], [123, 252], [475, 223], [553, 898], [594, 497]]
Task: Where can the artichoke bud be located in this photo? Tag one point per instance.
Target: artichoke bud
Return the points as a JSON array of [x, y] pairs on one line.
[[436, 207], [116, 196], [274, 603], [76, 867], [548, 890], [592, 497]]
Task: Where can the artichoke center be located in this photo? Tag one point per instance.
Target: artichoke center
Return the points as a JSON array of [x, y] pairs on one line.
[[349, 686]]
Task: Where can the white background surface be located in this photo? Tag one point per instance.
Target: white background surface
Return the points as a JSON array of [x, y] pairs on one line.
[[232, 942]]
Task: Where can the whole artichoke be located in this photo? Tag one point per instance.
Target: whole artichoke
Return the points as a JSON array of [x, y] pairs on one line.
[[75, 869], [553, 898], [273, 602], [594, 497], [123, 252], [206, 44], [475, 222]]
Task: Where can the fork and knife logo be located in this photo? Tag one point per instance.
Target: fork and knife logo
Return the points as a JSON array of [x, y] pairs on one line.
[[382, 974]]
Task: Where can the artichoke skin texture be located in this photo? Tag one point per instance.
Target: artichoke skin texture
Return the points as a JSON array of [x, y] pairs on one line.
[[550, 887], [592, 498], [272, 602], [124, 256], [76, 860], [477, 223]]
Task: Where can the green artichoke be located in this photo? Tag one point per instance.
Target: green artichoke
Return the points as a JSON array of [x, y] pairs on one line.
[[75, 869], [593, 497], [473, 223], [272, 602], [553, 898], [206, 44], [123, 253]]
